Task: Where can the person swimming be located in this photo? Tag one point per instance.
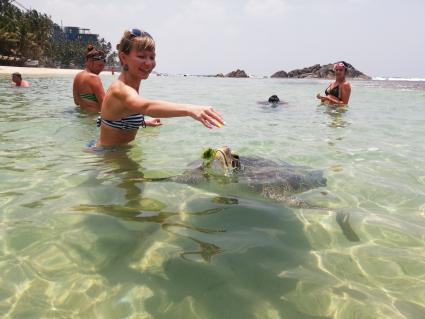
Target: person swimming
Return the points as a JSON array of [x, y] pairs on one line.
[[272, 101], [338, 92], [17, 80]]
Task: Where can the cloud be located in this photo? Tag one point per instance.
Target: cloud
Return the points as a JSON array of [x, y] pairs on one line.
[[262, 36]]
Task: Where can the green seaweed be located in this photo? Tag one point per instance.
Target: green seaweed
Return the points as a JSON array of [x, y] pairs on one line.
[[208, 154]]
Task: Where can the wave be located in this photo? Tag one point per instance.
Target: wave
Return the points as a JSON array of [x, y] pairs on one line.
[[255, 76], [378, 78]]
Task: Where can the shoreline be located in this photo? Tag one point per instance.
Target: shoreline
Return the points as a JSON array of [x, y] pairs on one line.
[[4, 69]]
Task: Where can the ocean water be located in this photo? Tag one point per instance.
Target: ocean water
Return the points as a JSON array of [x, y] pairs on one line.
[[85, 235]]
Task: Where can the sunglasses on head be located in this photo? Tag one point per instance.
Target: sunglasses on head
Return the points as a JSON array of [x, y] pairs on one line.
[[98, 58], [139, 33], [339, 66]]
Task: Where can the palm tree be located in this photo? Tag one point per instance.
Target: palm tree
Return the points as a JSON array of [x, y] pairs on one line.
[[9, 19], [29, 35]]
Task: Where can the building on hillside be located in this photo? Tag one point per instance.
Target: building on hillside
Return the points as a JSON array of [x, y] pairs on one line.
[[74, 34], [87, 37], [71, 33], [57, 32]]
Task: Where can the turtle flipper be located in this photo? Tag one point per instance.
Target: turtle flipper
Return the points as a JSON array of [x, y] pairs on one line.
[[276, 194], [343, 220], [187, 179], [296, 202]]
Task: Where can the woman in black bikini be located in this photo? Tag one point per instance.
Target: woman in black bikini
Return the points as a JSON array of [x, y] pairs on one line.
[[338, 92]]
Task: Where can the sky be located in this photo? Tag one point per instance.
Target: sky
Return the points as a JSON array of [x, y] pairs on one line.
[[378, 37]]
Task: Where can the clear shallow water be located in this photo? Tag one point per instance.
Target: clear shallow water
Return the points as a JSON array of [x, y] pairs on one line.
[[82, 236]]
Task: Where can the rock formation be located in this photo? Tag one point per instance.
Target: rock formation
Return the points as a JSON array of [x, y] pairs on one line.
[[280, 74], [318, 71], [237, 74]]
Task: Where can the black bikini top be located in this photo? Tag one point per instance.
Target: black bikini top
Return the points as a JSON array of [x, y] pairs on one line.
[[334, 92]]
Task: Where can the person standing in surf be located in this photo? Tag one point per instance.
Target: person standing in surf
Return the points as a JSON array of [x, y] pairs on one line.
[[88, 90], [338, 92], [123, 109]]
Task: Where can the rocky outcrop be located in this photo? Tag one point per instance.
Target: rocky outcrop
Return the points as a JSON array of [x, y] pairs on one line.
[[280, 74], [305, 72], [318, 71], [220, 75], [237, 74]]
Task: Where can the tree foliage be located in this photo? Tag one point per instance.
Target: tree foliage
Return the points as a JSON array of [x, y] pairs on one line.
[[29, 35]]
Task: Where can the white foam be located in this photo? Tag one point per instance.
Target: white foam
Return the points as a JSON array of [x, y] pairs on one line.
[[378, 78]]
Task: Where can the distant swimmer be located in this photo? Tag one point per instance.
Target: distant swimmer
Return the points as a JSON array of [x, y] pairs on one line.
[[273, 101], [88, 89], [338, 92], [17, 80]]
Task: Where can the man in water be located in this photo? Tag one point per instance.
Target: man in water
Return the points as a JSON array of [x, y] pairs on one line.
[[17, 80], [274, 99]]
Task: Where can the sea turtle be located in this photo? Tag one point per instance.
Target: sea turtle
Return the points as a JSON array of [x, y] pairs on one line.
[[274, 180], [278, 181]]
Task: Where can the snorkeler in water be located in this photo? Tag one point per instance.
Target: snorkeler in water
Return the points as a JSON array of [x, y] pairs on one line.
[[273, 101]]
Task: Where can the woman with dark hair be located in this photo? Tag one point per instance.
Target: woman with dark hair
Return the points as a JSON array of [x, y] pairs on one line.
[[338, 92], [123, 108], [88, 89]]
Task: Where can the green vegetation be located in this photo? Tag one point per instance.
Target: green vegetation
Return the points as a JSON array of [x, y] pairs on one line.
[[33, 35], [208, 155]]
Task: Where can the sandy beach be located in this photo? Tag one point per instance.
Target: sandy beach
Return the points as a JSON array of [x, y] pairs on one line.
[[36, 71]]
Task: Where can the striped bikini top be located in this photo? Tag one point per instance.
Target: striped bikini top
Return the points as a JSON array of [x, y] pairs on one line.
[[128, 123], [89, 96]]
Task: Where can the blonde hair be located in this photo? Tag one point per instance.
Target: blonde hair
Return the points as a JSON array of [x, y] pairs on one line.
[[130, 41]]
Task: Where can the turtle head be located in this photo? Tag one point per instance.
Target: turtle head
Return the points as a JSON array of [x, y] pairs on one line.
[[221, 161]]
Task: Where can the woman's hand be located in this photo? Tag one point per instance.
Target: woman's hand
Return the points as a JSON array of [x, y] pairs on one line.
[[206, 115], [153, 122], [322, 99]]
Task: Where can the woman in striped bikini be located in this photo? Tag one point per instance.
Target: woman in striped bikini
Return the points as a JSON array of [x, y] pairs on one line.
[[123, 109], [87, 89]]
